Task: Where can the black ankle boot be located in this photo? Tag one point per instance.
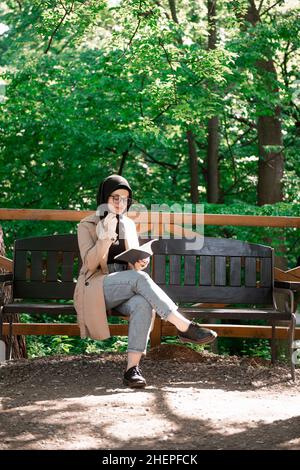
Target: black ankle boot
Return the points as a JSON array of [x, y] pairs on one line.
[[133, 378], [196, 334]]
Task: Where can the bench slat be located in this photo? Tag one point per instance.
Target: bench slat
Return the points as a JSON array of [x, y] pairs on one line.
[[159, 269], [235, 271], [220, 271], [175, 269], [219, 294], [205, 270], [65, 242], [266, 272], [67, 266], [190, 270], [250, 272], [52, 265], [44, 290], [36, 272], [20, 265]]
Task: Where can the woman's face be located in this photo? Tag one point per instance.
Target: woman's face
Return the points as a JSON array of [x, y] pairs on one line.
[[116, 202]]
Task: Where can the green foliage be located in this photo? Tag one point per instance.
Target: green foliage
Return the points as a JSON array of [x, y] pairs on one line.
[[93, 90]]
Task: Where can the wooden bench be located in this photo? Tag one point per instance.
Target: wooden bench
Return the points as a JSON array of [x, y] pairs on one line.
[[223, 271]]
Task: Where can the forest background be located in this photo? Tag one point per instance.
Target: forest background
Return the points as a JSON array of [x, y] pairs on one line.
[[192, 101]]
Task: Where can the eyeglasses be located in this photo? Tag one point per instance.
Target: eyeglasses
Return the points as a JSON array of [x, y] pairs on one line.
[[124, 200]]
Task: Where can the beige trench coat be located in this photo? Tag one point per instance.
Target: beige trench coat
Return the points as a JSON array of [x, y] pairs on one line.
[[89, 299]]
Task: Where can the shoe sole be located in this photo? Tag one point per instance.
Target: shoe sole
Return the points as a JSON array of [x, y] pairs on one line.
[[134, 385], [207, 340]]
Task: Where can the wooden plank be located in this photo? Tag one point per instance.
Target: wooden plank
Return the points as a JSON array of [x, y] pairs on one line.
[[72, 329], [294, 272], [220, 270], [250, 272], [266, 272], [235, 271], [138, 217], [36, 265], [206, 270], [175, 267], [42, 214], [239, 331], [212, 246], [220, 294], [20, 265], [52, 265], [61, 243], [44, 290], [290, 275], [6, 263], [67, 266], [159, 269], [190, 270]]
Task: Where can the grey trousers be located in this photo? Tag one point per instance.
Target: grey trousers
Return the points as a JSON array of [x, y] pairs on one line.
[[134, 293]]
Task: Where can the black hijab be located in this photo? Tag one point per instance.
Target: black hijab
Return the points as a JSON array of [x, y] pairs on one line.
[[108, 186]]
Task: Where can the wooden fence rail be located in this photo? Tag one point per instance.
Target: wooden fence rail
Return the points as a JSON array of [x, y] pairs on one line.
[[159, 218], [72, 329]]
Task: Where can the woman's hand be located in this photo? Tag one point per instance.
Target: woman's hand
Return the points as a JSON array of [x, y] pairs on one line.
[[106, 228], [140, 264]]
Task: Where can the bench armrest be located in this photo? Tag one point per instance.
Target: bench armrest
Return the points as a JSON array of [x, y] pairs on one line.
[[289, 304]]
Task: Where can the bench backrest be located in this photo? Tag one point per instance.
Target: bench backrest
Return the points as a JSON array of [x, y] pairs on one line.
[[46, 267], [222, 271]]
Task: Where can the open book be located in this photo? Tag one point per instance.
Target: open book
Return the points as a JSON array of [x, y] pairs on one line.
[[132, 255]]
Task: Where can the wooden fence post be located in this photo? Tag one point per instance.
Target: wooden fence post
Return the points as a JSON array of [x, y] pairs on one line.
[[19, 343]]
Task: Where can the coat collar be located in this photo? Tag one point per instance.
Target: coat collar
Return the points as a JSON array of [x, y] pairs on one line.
[[91, 218]]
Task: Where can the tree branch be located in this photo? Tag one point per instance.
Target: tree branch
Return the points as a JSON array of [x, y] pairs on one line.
[[270, 8], [251, 124], [67, 12], [171, 166], [19, 4], [260, 5]]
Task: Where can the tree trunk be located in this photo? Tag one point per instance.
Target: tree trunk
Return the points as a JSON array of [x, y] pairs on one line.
[[212, 161], [19, 344], [213, 123], [271, 161]]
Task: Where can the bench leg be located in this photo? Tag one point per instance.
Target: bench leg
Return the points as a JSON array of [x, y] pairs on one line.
[[273, 344], [291, 344], [155, 336]]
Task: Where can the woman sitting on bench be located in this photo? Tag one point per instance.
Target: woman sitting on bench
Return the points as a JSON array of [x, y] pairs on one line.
[[104, 284]]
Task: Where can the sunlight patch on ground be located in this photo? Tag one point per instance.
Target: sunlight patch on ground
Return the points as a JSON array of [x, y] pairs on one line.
[[217, 404], [293, 444]]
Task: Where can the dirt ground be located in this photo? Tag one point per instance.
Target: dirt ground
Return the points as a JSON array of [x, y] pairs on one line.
[[192, 401]]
